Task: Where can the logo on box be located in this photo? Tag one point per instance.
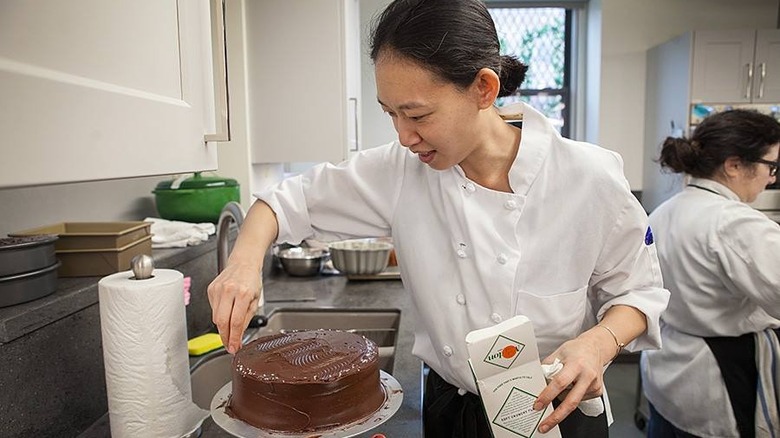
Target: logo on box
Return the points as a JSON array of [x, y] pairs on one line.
[[517, 414], [504, 352]]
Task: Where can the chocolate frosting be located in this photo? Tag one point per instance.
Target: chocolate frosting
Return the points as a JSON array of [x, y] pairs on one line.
[[306, 381]]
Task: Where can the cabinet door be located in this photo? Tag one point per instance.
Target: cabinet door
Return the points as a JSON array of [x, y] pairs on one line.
[[296, 80], [352, 59], [94, 90], [723, 66], [767, 76]]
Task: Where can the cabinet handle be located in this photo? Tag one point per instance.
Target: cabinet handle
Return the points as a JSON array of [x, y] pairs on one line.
[[355, 116], [749, 85], [219, 62], [761, 80]]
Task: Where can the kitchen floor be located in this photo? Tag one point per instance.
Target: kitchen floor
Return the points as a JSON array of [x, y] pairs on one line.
[[622, 383]]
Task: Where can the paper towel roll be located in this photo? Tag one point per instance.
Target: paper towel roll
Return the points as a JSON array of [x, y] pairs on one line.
[[143, 325]]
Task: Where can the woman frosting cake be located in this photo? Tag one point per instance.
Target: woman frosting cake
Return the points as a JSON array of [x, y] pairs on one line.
[[489, 220]]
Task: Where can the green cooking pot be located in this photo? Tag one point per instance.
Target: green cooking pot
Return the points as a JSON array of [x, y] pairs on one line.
[[195, 199]]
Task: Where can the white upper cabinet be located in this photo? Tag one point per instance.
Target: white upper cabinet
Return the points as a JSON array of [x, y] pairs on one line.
[[737, 66], [767, 66], [95, 89], [303, 79]]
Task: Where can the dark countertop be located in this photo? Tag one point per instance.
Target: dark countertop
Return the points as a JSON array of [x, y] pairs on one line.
[[282, 291], [77, 293]]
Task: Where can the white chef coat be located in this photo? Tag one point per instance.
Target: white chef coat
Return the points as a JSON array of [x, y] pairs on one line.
[[720, 260], [568, 244]]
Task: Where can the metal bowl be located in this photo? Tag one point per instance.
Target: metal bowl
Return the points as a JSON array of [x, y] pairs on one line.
[[360, 256], [302, 262]]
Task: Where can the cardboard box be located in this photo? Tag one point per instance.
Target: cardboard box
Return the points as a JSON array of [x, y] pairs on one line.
[[88, 249], [99, 262], [92, 235], [504, 360]]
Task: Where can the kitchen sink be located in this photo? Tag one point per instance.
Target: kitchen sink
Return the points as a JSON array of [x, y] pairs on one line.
[[212, 371]]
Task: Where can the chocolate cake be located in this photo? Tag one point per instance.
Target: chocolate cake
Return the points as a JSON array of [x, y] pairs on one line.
[[306, 381]]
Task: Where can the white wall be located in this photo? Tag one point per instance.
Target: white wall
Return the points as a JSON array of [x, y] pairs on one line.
[[377, 127], [235, 156], [629, 29], [592, 71], [31, 207]]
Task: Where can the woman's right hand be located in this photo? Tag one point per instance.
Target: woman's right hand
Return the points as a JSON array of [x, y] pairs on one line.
[[235, 293], [234, 296]]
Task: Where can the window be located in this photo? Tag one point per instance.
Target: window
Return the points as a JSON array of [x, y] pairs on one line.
[[541, 37]]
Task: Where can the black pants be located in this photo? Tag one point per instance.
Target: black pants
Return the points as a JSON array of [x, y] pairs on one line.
[[660, 427], [446, 414]]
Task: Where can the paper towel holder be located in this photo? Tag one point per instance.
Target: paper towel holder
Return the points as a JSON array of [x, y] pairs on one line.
[[142, 266]]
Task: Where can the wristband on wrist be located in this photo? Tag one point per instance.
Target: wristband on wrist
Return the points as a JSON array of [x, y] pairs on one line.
[[619, 344]]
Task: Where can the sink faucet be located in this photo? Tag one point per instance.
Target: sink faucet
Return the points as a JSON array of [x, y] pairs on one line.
[[232, 213]]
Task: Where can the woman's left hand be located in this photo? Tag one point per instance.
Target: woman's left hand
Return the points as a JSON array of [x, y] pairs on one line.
[[581, 378]]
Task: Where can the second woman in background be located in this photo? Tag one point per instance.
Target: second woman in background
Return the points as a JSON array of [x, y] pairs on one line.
[[717, 373]]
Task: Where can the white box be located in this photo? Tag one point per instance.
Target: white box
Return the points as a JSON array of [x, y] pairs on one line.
[[505, 362]]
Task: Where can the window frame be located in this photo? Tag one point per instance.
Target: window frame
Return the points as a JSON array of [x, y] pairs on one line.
[[573, 79]]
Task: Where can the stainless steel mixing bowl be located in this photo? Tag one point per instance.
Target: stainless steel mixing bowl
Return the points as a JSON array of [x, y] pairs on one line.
[[302, 262]]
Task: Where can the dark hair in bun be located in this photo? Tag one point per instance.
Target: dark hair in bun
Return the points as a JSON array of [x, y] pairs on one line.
[[454, 39], [745, 134]]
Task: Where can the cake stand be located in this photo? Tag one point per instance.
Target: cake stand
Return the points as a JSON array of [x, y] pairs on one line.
[[393, 397]]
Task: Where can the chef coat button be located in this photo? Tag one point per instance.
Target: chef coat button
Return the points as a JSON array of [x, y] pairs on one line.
[[461, 254], [462, 392], [510, 204], [461, 299], [447, 350], [496, 318], [502, 258], [471, 188]]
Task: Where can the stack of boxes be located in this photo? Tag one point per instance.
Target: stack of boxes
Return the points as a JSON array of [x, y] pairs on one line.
[[88, 249]]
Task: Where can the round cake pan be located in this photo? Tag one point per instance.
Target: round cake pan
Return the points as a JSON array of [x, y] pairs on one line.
[[20, 288], [26, 254]]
